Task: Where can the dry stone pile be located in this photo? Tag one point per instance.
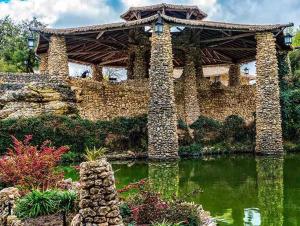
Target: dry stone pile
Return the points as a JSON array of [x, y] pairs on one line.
[[99, 203], [7, 201]]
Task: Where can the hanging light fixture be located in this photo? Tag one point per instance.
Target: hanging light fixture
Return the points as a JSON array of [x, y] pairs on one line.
[[159, 25], [30, 41], [246, 71], [288, 39]]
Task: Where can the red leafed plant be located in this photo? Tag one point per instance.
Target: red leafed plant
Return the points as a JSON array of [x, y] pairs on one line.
[[31, 166]]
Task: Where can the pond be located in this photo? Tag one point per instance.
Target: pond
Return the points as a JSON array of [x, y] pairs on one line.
[[237, 190]]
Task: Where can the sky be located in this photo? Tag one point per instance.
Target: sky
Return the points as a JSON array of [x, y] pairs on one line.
[[72, 13]]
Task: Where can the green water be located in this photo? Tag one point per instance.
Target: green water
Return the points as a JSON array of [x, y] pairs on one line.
[[236, 190], [239, 190]]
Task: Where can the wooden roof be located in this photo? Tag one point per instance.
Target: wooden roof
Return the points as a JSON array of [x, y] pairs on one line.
[[178, 11], [108, 44]]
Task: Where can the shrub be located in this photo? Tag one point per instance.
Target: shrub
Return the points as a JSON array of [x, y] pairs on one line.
[[236, 130], [206, 129], [78, 133], [31, 166], [71, 157], [193, 148], [95, 153], [37, 203]]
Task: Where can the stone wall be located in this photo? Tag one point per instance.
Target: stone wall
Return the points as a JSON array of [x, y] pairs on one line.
[[106, 100], [33, 94], [98, 204]]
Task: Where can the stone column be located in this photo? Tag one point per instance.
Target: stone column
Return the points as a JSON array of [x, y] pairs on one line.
[[58, 58], [130, 63], [98, 204], [202, 82], [268, 115], [234, 75], [43, 63], [140, 64], [162, 121], [190, 91], [97, 72]]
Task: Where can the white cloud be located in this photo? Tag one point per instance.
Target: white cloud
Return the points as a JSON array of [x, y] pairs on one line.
[[59, 13]]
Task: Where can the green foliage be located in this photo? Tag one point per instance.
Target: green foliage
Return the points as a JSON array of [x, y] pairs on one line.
[[37, 203], [231, 135], [71, 157], [14, 50], [125, 210], [181, 124], [166, 223], [95, 153], [296, 39], [205, 126], [193, 148], [236, 130], [78, 133]]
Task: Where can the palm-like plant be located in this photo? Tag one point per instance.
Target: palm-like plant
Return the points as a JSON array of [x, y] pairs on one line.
[[95, 153]]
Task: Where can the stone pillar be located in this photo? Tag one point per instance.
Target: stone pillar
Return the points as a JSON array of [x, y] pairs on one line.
[[97, 72], [198, 63], [268, 115], [162, 121], [98, 203], [202, 82], [140, 63], [130, 63], [43, 63], [58, 58], [270, 189], [234, 75], [190, 91]]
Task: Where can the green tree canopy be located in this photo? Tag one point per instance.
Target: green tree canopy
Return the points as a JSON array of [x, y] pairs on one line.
[[14, 51]]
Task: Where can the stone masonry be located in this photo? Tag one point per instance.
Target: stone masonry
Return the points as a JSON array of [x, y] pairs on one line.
[[140, 64], [98, 203], [25, 95], [268, 115], [234, 75], [190, 93], [97, 72], [7, 201], [162, 120], [43, 63], [58, 58]]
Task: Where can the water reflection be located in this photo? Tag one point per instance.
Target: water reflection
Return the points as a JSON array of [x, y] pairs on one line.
[[270, 189], [242, 190], [164, 178]]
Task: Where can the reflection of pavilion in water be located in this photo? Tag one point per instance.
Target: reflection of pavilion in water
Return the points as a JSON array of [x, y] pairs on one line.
[[256, 201]]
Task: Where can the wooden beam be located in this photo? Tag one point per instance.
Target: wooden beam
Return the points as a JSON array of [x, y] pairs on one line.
[[232, 48], [100, 34], [113, 61], [227, 38]]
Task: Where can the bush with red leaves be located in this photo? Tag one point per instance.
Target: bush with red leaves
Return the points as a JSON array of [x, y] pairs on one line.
[[31, 167]]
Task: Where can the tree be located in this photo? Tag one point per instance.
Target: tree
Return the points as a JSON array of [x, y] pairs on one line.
[[15, 56]]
